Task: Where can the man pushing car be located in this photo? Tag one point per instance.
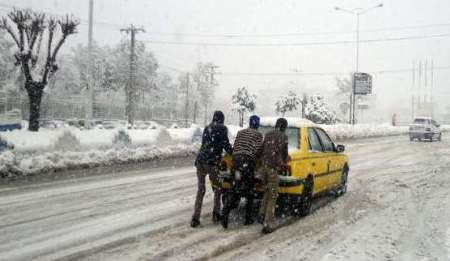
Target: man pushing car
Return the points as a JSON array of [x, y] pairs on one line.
[[214, 141], [245, 153]]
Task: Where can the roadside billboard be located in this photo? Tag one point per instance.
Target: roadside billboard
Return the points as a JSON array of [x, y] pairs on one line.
[[362, 83]]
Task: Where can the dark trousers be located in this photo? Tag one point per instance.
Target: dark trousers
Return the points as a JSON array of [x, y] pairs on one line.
[[242, 173], [213, 172]]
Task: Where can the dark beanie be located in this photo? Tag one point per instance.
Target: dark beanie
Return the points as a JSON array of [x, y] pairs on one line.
[[281, 124], [254, 122], [218, 117]]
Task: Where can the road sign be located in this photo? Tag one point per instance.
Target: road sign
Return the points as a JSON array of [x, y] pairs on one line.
[[363, 83]]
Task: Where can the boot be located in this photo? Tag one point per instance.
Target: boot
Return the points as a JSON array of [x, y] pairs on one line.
[[195, 222], [225, 221], [216, 217], [267, 230]]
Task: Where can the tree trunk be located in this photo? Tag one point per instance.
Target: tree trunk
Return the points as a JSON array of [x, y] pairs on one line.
[[241, 119], [35, 92]]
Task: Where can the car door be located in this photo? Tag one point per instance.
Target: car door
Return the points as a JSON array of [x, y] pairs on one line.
[[331, 157], [317, 161]]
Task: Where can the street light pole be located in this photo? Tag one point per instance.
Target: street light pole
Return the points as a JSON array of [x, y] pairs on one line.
[[357, 12]]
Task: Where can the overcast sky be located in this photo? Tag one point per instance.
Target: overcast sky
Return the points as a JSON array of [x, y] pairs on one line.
[[281, 23]]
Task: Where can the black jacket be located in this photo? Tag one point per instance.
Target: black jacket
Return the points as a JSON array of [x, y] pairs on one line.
[[214, 141]]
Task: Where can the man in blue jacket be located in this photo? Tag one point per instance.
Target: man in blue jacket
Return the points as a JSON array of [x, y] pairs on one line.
[[214, 142]]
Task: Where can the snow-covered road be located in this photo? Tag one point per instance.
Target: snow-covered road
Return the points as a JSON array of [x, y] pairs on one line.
[[397, 208]]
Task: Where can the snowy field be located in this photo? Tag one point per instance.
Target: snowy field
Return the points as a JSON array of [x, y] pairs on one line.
[[397, 208]]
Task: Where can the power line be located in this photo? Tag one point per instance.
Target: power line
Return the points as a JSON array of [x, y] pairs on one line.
[[299, 43], [240, 35], [290, 74]]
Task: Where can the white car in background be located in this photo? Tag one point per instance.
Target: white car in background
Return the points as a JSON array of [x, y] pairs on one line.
[[424, 128]]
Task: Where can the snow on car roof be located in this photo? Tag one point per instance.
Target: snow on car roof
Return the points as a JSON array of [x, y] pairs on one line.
[[292, 122]]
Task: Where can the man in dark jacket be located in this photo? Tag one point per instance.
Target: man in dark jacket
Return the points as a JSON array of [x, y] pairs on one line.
[[214, 142], [246, 150], [274, 154]]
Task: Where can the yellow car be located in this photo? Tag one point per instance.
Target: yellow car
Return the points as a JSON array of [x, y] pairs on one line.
[[317, 165]]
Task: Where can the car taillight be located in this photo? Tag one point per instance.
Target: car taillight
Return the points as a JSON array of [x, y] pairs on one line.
[[285, 170], [223, 166]]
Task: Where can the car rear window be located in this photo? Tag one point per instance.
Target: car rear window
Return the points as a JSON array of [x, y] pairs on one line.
[[422, 121], [292, 133]]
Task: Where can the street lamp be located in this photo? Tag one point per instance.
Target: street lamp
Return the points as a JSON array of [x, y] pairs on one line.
[[357, 12]]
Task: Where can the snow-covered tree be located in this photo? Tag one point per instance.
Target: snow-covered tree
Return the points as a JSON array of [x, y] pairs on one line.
[[166, 93], [287, 103], [146, 66], [243, 102], [316, 111], [343, 96], [8, 72], [28, 29], [205, 83]]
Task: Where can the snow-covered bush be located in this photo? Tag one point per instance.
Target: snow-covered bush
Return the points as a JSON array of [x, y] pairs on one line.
[[122, 139], [316, 111], [287, 103], [67, 142]]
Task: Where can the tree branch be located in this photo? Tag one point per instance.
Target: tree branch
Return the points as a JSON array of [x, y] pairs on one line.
[[5, 26], [68, 26]]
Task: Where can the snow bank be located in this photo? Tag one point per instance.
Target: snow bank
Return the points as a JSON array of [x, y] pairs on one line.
[[47, 150], [72, 139], [15, 164], [358, 131]]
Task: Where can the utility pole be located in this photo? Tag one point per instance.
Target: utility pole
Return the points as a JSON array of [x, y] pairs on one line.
[[195, 112], [131, 88], [413, 90], [419, 93], [186, 108], [90, 92], [357, 12], [431, 88]]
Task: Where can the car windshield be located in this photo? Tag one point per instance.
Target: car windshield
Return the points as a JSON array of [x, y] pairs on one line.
[[291, 132], [421, 121]]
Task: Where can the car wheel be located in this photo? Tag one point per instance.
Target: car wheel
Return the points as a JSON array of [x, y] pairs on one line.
[[304, 207], [411, 138], [440, 137], [343, 186]]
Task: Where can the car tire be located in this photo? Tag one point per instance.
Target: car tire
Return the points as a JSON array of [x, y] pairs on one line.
[[411, 138], [342, 189], [305, 202], [440, 137]]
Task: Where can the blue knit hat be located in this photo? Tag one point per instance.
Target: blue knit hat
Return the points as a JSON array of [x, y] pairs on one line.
[[254, 122]]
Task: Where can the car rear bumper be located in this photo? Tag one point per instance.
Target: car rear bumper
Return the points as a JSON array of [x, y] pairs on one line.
[[285, 182]]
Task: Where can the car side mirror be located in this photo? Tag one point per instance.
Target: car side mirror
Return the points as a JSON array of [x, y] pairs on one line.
[[340, 148]]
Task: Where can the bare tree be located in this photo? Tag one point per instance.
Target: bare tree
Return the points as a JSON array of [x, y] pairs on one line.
[[28, 29]]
